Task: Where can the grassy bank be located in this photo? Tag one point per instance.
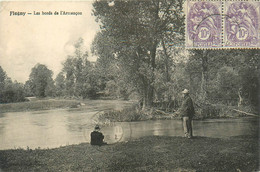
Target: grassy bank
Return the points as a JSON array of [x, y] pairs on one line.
[[152, 153], [38, 105]]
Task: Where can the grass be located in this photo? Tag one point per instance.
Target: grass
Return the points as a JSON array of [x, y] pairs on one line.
[[38, 105], [153, 153]]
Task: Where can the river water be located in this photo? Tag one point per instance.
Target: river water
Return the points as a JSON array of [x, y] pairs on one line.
[[55, 128]]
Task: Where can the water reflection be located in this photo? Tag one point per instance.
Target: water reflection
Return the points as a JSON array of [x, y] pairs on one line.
[[2, 124], [54, 128], [2, 115]]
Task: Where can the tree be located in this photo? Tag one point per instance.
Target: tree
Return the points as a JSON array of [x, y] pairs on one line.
[[229, 77], [10, 91], [227, 88], [60, 84], [68, 69], [27, 89], [3, 77], [80, 79], [41, 82], [137, 29]]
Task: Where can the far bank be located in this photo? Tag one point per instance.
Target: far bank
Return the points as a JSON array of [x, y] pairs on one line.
[[125, 111]]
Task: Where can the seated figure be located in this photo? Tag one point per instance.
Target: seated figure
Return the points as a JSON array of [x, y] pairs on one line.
[[97, 137]]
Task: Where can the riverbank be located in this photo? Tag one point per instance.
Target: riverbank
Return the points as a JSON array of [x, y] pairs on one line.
[[153, 153], [114, 110], [50, 104], [44, 104], [134, 113]]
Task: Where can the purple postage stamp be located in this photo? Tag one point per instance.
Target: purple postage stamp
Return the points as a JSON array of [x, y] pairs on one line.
[[222, 24], [241, 24], [203, 24]]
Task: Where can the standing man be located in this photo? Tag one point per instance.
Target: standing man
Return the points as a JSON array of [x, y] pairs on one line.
[[187, 112]]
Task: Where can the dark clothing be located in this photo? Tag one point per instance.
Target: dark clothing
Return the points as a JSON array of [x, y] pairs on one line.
[[187, 112], [187, 108], [96, 138]]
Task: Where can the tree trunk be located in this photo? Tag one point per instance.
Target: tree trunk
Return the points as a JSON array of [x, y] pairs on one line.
[[240, 101], [145, 93], [150, 90], [154, 31], [167, 76], [204, 76]]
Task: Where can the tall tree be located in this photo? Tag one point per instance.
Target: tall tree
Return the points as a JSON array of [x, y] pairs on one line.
[[136, 29], [60, 84], [41, 80], [79, 74]]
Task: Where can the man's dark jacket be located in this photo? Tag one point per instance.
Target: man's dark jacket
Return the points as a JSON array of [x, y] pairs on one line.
[[187, 108], [96, 138]]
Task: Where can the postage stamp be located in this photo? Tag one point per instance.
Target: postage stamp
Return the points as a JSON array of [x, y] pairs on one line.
[[241, 24], [203, 24], [222, 24]]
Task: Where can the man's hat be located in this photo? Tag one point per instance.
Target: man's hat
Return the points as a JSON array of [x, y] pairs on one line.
[[97, 127], [185, 91]]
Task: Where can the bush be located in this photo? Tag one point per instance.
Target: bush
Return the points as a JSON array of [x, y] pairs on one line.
[[12, 94], [126, 115]]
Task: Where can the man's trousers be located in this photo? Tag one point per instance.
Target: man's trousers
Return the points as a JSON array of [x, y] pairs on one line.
[[187, 126]]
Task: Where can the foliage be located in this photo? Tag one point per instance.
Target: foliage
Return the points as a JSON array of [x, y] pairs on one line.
[[223, 76], [135, 113], [137, 52], [27, 89], [127, 114], [10, 91], [78, 78], [60, 84], [41, 82], [3, 77], [134, 30]]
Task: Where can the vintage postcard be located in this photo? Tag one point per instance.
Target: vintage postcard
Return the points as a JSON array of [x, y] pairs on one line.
[[129, 85]]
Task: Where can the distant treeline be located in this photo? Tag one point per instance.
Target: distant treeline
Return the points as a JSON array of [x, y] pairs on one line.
[[227, 77], [10, 91]]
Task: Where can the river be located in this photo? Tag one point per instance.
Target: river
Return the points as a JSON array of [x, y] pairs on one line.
[[55, 128]]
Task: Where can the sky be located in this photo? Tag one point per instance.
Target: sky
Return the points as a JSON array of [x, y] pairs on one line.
[[45, 39]]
